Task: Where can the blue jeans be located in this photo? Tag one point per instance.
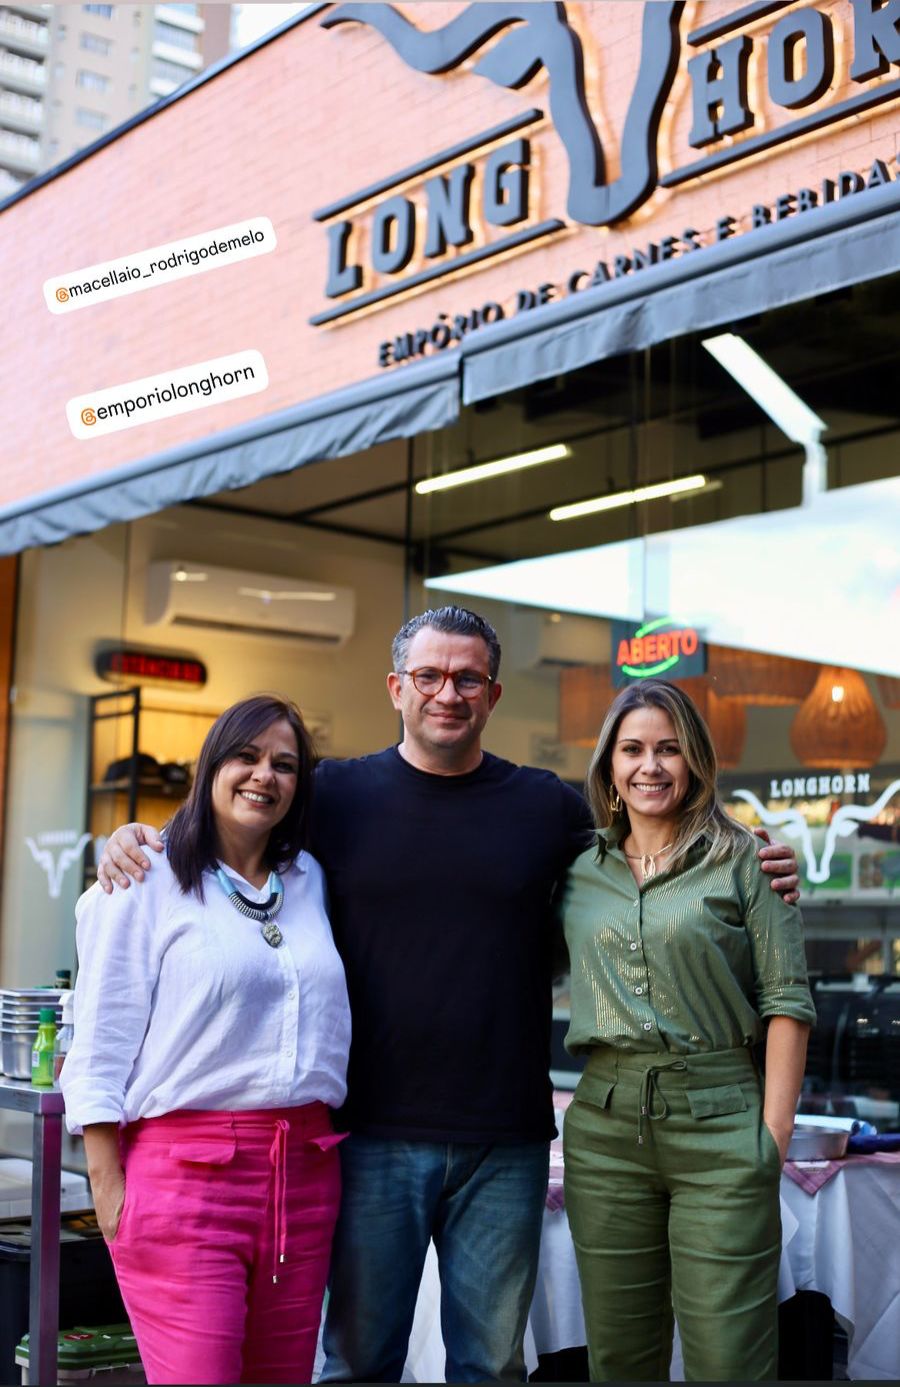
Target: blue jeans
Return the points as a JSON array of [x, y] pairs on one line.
[[483, 1206]]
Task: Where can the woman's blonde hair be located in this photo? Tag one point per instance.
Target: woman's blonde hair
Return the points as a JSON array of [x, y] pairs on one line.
[[702, 818]]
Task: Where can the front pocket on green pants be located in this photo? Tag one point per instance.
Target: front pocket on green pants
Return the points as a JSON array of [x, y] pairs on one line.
[[716, 1102]]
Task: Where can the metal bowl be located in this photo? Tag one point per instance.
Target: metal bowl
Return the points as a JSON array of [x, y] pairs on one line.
[[39, 997], [16, 1022], [29, 994], [817, 1144], [15, 1056], [23, 1025], [27, 1008], [26, 1013]]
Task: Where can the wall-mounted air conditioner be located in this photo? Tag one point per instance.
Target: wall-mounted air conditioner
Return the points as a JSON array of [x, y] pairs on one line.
[[542, 640], [250, 604]]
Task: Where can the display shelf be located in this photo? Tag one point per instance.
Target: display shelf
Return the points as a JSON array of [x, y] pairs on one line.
[[118, 722]]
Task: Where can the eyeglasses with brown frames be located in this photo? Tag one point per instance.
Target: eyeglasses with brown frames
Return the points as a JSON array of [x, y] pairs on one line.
[[468, 683]]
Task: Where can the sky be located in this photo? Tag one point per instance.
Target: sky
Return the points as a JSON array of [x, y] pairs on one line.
[[252, 21]]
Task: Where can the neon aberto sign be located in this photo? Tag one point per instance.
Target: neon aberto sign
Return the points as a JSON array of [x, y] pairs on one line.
[[659, 649]]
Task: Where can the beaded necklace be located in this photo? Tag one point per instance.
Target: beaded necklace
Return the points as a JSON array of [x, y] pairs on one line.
[[263, 912]]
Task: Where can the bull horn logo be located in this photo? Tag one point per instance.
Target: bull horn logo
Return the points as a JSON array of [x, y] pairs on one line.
[[56, 867], [540, 36], [842, 824]]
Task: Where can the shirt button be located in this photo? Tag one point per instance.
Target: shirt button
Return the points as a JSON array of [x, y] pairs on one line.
[[291, 996], [632, 947], [648, 1025], [638, 991]]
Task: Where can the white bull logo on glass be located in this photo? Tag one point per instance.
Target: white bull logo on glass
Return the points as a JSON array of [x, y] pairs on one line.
[[842, 824], [56, 867]]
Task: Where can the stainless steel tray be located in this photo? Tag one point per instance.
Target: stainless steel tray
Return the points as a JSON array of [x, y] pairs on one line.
[[817, 1144]]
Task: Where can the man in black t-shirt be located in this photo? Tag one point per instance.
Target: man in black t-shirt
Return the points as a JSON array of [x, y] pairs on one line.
[[442, 864]]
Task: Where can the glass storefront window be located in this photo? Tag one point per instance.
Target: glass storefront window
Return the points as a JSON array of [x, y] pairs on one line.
[[794, 601], [791, 604]]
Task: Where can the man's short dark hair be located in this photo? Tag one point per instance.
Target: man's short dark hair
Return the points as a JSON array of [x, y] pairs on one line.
[[453, 621]]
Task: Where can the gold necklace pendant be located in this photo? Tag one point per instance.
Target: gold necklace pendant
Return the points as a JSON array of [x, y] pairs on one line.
[[648, 860]]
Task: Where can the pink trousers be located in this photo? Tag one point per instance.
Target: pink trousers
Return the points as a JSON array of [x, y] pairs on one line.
[[222, 1249]]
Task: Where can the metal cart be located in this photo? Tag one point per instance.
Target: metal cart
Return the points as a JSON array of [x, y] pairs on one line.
[[46, 1107]]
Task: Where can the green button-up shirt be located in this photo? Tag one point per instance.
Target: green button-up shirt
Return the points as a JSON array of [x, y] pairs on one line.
[[691, 961]]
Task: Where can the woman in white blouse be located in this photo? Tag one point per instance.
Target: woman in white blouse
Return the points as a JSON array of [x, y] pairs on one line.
[[211, 1036]]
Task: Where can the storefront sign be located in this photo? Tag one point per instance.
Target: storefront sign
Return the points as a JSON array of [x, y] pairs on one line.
[[662, 649], [819, 786], [440, 216], [449, 329], [146, 667], [842, 824]]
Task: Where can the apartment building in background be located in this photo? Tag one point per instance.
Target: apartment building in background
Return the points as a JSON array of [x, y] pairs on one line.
[[70, 72]]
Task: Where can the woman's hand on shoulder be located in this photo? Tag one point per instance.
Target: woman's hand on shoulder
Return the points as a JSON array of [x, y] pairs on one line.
[[124, 856], [780, 862]]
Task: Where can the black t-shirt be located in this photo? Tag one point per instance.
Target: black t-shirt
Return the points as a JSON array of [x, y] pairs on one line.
[[441, 892]]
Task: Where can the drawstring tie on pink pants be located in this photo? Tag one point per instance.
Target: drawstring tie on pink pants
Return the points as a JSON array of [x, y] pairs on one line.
[[278, 1159]]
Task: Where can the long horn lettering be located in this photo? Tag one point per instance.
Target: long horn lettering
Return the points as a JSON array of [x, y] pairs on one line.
[[540, 36]]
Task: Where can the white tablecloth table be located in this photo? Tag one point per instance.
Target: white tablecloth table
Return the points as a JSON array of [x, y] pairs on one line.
[[847, 1245], [843, 1241]]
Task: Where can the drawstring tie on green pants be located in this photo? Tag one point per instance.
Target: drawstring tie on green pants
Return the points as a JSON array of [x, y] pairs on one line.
[[650, 1094]]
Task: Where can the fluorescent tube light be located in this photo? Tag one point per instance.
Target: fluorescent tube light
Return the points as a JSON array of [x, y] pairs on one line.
[[555, 452], [773, 395], [712, 484], [629, 498]]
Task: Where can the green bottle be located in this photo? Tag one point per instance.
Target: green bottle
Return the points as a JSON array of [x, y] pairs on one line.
[[44, 1049]]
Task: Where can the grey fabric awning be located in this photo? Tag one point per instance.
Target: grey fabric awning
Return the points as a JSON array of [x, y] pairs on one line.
[[398, 404], [811, 253]]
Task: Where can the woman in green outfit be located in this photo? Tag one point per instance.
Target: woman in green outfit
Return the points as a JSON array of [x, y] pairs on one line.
[[682, 960]]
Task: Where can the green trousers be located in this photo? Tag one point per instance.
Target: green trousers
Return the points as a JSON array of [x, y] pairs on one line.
[[672, 1194]]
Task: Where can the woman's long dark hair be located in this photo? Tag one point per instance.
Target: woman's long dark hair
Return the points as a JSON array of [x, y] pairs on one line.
[[191, 840]]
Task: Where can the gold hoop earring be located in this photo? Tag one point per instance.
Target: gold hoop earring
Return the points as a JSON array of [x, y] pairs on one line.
[[615, 801]]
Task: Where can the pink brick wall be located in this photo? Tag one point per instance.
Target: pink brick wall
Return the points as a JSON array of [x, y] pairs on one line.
[[305, 120]]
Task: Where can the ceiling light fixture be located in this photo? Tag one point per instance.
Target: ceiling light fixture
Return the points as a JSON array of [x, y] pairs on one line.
[[555, 452], [776, 399], [629, 498]]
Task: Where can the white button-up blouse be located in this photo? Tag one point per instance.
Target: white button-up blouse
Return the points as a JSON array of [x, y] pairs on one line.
[[181, 1003]]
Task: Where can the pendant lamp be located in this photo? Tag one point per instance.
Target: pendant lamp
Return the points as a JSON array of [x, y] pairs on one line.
[[769, 681], [585, 693], [726, 719], [838, 726]]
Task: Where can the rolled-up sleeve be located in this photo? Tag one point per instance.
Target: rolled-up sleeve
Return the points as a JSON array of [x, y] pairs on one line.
[[118, 966], [775, 931]]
